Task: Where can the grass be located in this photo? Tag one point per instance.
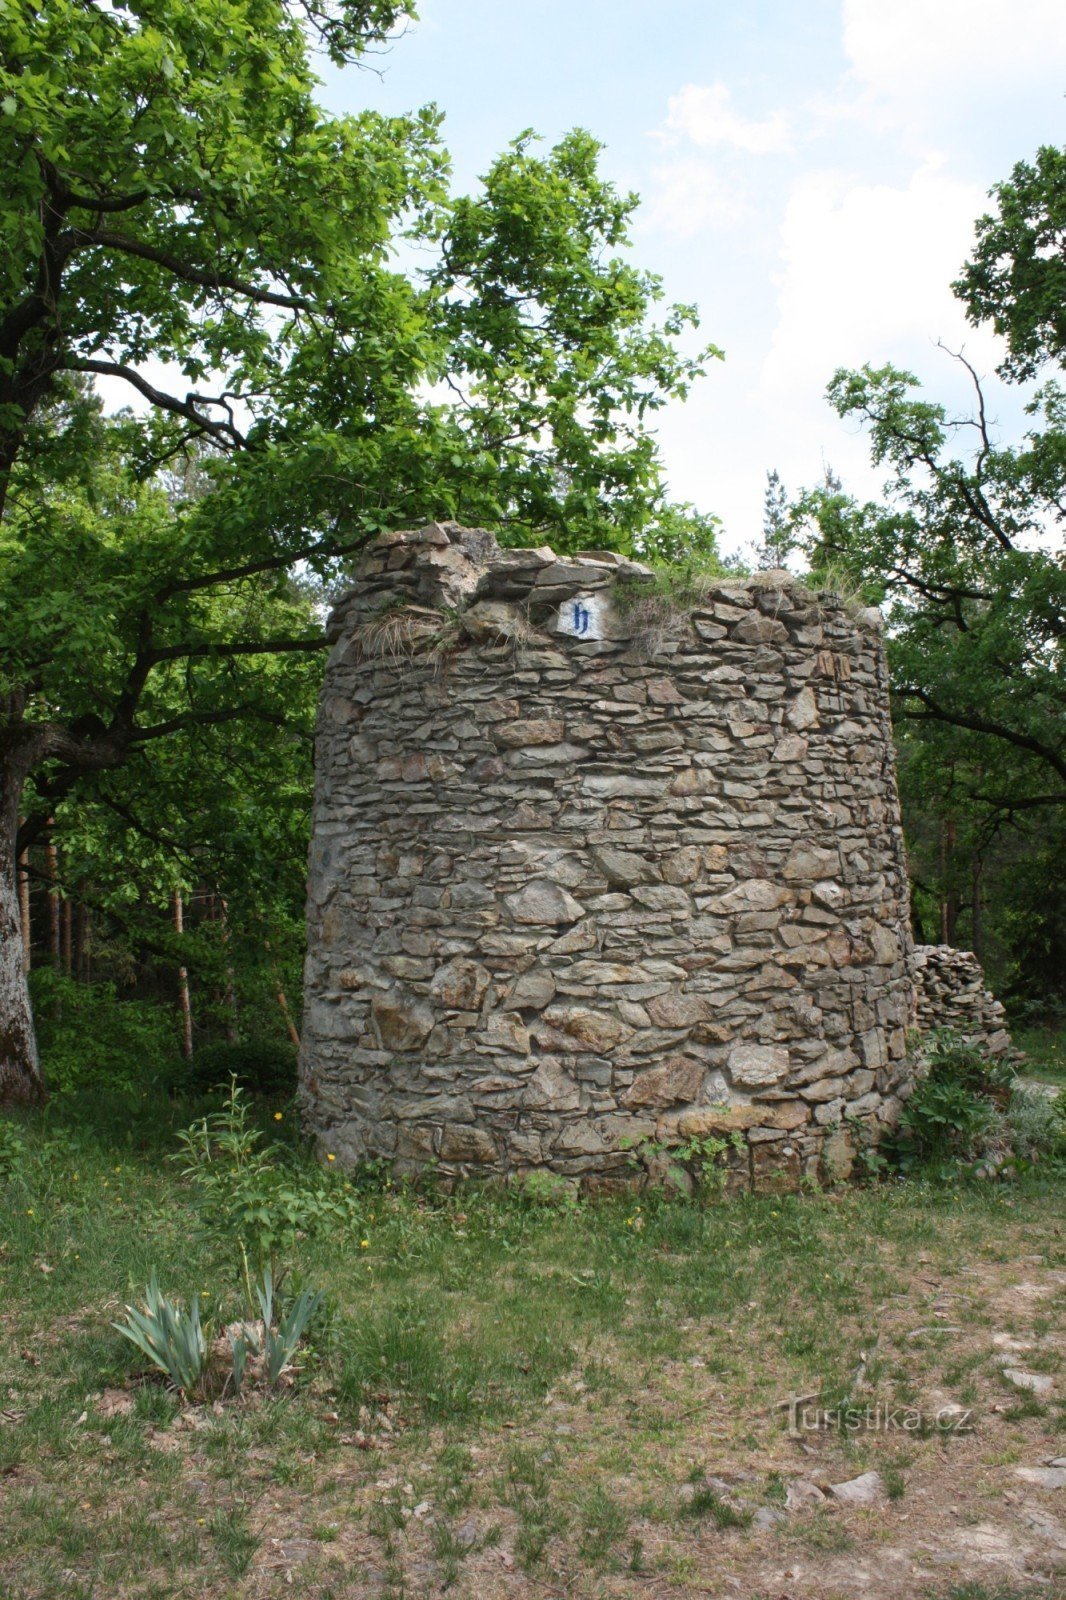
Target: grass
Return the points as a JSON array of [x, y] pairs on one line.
[[1045, 1051], [503, 1397]]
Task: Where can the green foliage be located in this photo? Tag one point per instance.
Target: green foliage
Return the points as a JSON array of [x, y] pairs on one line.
[[943, 1123], [706, 1501], [548, 1190], [707, 1159], [966, 555], [1037, 1125], [255, 1199], [260, 1066], [961, 1113], [171, 1337], [281, 1338], [92, 1042], [1016, 278], [12, 1148], [704, 1159]]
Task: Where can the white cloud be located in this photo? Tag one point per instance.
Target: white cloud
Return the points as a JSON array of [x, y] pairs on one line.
[[703, 115], [689, 197], [867, 270], [909, 50]]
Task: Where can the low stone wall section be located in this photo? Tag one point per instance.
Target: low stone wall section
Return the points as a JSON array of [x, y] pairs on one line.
[[951, 993]]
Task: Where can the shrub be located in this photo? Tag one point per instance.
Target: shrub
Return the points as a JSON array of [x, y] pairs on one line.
[[255, 1199], [12, 1149], [1037, 1125], [260, 1066], [969, 1111], [90, 1039]]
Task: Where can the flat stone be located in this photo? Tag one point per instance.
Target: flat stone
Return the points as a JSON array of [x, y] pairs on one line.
[[467, 1143], [865, 1490], [531, 991], [541, 730], [757, 1066], [1043, 1477], [621, 866], [460, 985], [582, 1029], [754, 894], [544, 904], [675, 1082], [802, 711], [1035, 1382], [402, 1023], [735, 1116], [800, 1493], [551, 1087], [611, 786], [677, 1010], [754, 628]]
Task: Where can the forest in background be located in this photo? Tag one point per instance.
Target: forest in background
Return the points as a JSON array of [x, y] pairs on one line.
[[182, 200]]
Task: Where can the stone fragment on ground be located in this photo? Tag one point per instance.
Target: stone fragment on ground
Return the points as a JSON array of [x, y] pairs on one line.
[[865, 1490], [1043, 1477], [1035, 1382], [802, 1493]]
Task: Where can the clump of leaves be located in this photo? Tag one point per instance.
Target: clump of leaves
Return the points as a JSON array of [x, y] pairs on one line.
[[169, 1335], [177, 1342], [254, 1198], [954, 1118], [12, 1149], [273, 1342], [703, 1160], [547, 1190]]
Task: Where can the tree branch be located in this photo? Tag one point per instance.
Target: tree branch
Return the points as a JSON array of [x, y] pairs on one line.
[[224, 432], [83, 239], [976, 724], [223, 651]]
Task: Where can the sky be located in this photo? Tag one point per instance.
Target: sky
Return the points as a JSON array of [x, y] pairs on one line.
[[810, 172]]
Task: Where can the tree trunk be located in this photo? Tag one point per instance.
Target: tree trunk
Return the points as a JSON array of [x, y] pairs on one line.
[[24, 909], [20, 1072], [51, 872], [949, 898], [233, 1030], [976, 915], [183, 980]]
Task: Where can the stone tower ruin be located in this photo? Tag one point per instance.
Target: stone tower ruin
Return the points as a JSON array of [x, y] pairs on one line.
[[598, 871]]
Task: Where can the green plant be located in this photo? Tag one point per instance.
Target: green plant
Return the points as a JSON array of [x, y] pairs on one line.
[[1037, 1125], [279, 1346], [707, 1502], [259, 1066], [955, 1115], [252, 1197], [12, 1149], [704, 1159], [549, 1190], [171, 1337]]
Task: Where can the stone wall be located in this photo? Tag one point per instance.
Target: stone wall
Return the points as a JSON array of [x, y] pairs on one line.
[[951, 994], [594, 870]]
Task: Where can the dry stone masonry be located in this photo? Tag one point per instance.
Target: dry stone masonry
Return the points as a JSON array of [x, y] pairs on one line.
[[951, 994], [596, 873]]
